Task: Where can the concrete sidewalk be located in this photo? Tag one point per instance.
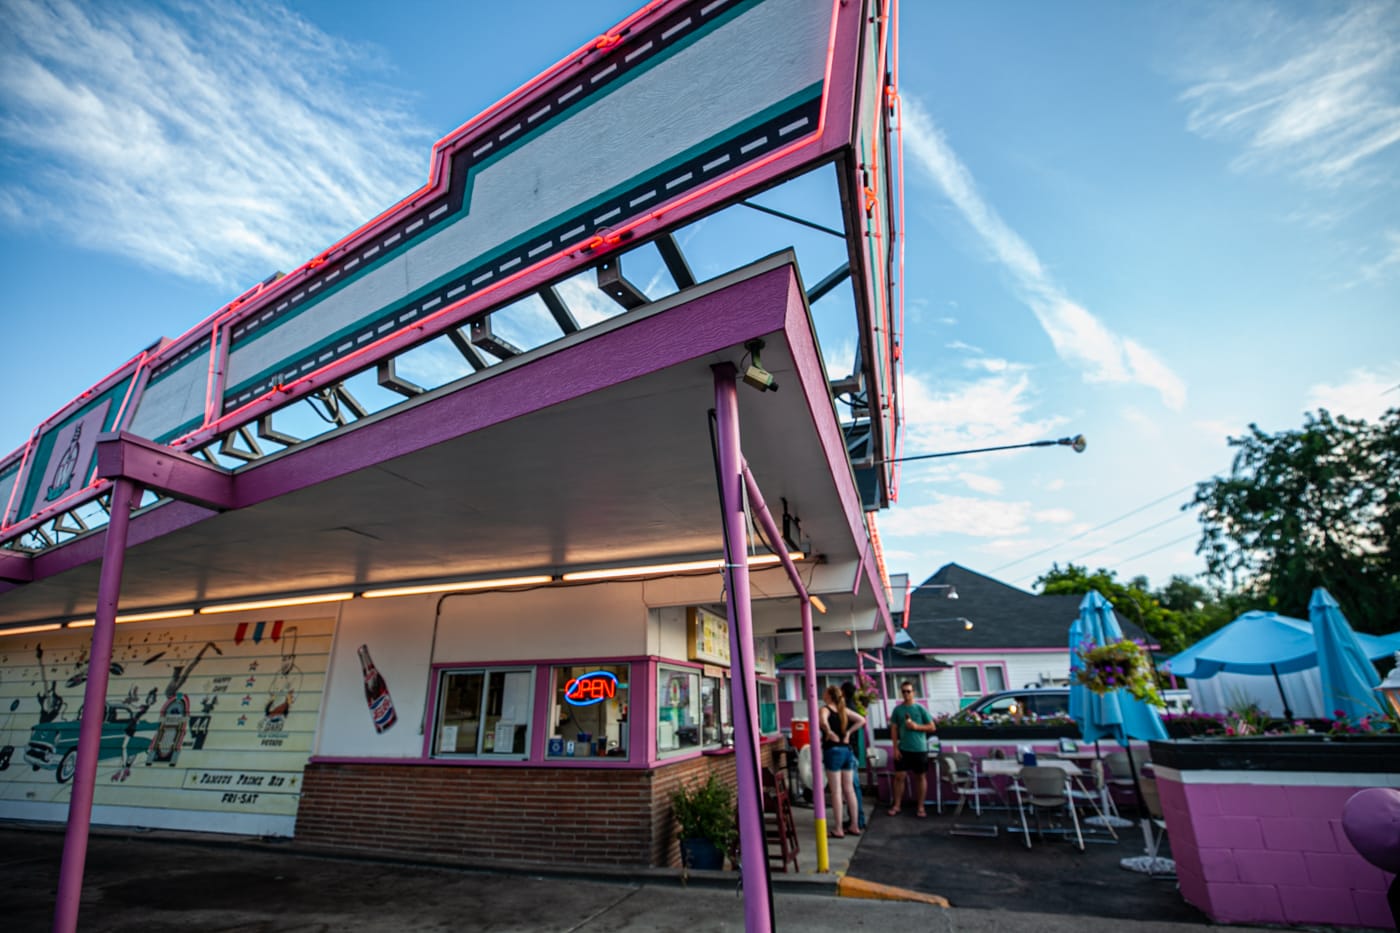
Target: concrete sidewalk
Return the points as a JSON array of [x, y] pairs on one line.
[[173, 883]]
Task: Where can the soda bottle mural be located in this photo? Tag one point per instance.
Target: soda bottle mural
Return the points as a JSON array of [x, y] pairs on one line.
[[381, 705]]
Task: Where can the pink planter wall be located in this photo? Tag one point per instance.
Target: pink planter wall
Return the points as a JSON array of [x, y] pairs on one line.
[[1272, 851]]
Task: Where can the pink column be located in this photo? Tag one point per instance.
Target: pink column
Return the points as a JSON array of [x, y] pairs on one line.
[[809, 659], [758, 896], [125, 496]]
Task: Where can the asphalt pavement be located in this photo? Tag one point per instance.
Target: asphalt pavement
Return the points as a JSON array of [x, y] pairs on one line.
[[163, 882]]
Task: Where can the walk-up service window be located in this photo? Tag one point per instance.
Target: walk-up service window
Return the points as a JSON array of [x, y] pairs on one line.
[[484, 711], [589, 711], [693, 709]]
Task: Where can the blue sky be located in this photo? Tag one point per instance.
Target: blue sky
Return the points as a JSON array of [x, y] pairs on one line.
[[1150, 223]]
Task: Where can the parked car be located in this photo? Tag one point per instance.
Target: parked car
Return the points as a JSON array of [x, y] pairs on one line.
[[54, 745], [1035, 701]]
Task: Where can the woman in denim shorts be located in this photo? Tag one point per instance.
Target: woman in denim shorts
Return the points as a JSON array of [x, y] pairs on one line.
[[838, 724]]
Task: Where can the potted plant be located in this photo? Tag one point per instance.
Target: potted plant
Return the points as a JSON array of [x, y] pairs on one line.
[[705, 813]]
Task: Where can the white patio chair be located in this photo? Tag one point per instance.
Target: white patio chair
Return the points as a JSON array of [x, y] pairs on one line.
[[1042, 789]]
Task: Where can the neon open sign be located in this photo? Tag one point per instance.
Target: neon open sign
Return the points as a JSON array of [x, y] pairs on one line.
[[590, 688]]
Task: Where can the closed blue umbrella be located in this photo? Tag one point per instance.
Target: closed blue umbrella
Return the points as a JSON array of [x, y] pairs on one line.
[[1117, 714], [1348, 677]]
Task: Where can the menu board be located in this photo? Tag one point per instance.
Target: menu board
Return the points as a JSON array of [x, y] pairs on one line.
[[707, 636]]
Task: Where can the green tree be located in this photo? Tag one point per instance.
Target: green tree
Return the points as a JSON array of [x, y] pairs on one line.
[[1166, 627], [1305, 508]]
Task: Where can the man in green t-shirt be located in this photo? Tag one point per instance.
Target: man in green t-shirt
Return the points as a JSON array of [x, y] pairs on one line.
[[909, 724]]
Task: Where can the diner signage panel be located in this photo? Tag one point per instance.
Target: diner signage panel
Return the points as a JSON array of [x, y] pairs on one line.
[[706, 636], [60, 463], [688, 101], [207, 719]]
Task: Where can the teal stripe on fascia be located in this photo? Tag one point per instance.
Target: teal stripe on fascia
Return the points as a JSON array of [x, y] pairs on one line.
[[655, 173], [167, 373], [534, 133], [179, 430]]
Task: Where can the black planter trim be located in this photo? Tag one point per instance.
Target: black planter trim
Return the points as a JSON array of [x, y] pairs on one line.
[[1367, 754]]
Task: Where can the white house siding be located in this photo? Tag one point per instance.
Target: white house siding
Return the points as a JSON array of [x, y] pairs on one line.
[[1039, 668]]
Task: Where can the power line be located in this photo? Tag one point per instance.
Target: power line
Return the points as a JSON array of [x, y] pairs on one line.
[[1160, 547], [1141, 531], [1085, 534]]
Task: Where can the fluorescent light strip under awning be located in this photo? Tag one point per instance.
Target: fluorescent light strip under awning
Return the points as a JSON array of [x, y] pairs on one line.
[[460, 587], [279, 603], [613, 573]]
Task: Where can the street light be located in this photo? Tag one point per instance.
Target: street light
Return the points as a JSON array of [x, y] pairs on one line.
[[1076, 443]]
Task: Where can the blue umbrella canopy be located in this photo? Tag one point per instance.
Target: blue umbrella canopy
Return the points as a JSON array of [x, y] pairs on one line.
[[1348, 677], [1255, 643], [1117, 714]]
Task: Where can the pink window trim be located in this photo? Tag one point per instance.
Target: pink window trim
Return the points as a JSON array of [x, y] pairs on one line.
[[982, 667]]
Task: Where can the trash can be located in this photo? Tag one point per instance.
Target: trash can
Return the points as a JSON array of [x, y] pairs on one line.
[[801, 734]]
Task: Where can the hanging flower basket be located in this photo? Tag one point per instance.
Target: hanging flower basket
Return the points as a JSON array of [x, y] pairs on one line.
[[1119, 665]]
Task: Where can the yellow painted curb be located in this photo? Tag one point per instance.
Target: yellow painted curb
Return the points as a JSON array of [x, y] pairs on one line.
[[847, 886]]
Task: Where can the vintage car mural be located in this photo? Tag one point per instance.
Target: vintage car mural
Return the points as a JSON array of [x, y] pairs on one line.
[[54, 745]]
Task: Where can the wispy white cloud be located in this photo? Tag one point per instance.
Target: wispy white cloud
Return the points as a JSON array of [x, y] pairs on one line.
[[1363, 393], [1387, 263], [1318, 98], [979, 483], [1079, 337], [984, 412], [978, 518], [216, 141]]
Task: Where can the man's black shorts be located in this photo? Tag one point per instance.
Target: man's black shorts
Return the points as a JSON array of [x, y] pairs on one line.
[[911, 761]]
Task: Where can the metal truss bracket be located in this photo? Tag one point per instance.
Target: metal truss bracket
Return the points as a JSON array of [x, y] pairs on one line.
[[499, 347], [616, 287]]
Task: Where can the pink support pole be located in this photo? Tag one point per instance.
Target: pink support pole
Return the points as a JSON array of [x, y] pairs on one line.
[[70, 878], [809, 661], [770, 528], [758, 895]]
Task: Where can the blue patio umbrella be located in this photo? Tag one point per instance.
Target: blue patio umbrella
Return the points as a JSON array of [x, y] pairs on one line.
[[1117, 714], [1255, 643], [1348, 677]]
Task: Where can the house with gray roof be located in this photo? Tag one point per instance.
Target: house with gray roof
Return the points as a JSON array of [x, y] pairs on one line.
[[962, 635]]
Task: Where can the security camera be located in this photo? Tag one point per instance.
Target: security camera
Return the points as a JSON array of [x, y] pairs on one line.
[[760, 378], [756, 376]]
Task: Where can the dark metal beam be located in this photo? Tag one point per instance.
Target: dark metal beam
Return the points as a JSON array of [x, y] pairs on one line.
[[391, 380], [558, 310], [469, 352], [483, 337], [671, 254], [815, 293], [616, 286]]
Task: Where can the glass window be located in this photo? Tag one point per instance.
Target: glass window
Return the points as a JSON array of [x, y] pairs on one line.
[[715, 704], [484, 712], [589, 711], [767, 707], [996, 678], [969, 680], [678, 712]]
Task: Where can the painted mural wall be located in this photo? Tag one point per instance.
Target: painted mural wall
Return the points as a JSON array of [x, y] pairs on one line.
[[207, 725]]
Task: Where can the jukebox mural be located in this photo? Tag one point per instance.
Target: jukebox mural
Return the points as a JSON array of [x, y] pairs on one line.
[[215, 719]]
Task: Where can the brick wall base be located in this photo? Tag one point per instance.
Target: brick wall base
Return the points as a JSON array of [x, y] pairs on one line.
[[573, 816]]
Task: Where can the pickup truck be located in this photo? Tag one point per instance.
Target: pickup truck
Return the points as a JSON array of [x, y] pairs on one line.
[[54, 745]]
